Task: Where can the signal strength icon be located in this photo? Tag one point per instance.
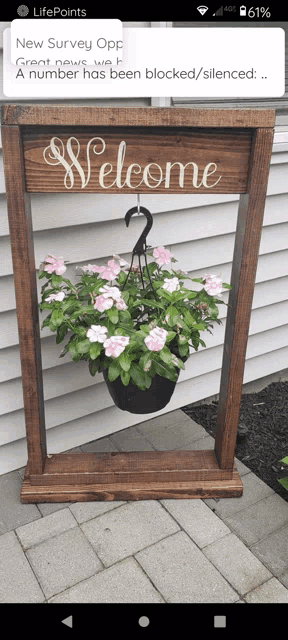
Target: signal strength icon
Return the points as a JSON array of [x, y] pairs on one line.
[[202, 9], [219, 12]]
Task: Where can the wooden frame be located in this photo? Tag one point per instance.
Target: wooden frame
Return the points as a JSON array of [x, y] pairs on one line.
[[145, 475]]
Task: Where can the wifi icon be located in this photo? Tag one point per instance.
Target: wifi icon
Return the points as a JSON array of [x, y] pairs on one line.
[[202, 9]]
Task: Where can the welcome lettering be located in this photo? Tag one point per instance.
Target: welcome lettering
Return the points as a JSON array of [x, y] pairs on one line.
[[152, 174]]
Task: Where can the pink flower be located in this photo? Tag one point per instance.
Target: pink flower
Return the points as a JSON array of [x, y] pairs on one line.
[[122, 262], [156, 339], [213, 285], [97, 333], [154, 344], [112, 271], [56, 296], [102, 304], [162, 255], [110, 292], [115, 345], [209, 276], [121, 305], [50, 258], [91, 267], [159, 333], [109, 272], [171, 284], [54, 264]]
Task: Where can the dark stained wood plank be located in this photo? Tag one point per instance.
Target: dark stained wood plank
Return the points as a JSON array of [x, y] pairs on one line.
[[135, 116], [133, 467], [21, 238], [248, 236], [131, 160], [132, 491]]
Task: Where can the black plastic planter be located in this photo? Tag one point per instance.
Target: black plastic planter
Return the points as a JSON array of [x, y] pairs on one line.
[[132, 399]]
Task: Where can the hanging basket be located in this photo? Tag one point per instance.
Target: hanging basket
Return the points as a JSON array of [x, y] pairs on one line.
[[131, 398]]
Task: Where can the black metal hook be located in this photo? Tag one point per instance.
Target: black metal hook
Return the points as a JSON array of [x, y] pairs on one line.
[[140, 246]]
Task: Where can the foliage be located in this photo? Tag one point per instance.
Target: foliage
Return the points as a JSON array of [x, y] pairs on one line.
[[134, 331], [284, 481]]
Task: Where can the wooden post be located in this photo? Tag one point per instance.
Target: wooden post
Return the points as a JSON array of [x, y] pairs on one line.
[[247, 241], [21, 238]]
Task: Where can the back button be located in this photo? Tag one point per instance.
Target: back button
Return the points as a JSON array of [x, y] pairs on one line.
[[68, 621]]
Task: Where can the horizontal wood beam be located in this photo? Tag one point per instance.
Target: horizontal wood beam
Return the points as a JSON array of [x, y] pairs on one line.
[[134, 116], [133, 467]]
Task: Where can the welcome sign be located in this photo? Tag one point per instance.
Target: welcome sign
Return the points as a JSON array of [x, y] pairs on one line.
[[54, 148], [137, 160]]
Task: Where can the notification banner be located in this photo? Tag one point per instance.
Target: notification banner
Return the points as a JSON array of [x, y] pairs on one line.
[[148, 62], [53, 43]]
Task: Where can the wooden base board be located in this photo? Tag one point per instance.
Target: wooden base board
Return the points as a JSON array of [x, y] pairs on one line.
[[88, 493], [131, 476]]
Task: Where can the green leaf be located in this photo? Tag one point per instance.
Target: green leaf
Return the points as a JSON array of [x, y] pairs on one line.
[[177, 295], [153, 304], [199, 327], [113, 314], [72, 348], [87, 310], [57, 317], [114, 371], [45, 305], [44, 286], [145, 359], [213, 311], [164, 294], [226, 286], [148, 380], [284, 460], [138, 376], [95, 350], [284, 482], [180, 364], [121, 278], [184, 349], [183, 325], [61, 332], [124, 316], [93, 367], [165, 371], [152, 266], [83, 346], [77, 357], [125, 377], [173, 315], [125, 296], [145, 328], [166, 355], [171, 335], [124, 361], [41, 274], [46, 322], [56, 280]]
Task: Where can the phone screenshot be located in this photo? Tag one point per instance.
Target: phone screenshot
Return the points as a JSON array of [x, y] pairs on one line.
[[143, 315]]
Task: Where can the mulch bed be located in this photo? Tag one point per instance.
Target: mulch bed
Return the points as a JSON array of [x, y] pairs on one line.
[[262, 438]]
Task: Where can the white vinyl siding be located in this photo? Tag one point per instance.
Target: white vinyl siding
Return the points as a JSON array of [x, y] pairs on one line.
[[199, 230]]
